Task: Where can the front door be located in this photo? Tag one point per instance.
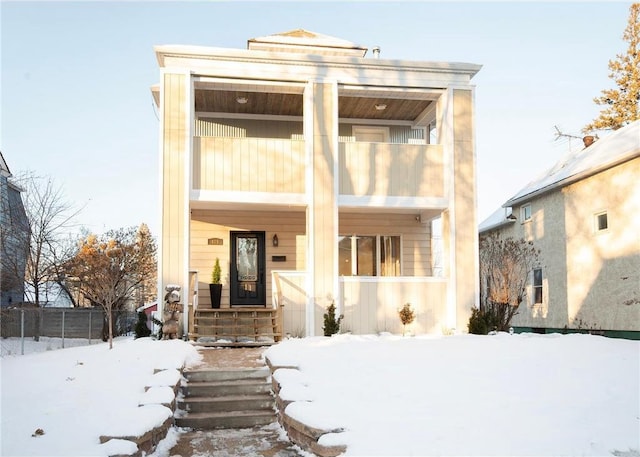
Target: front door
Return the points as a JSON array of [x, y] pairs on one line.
[[247, 269]]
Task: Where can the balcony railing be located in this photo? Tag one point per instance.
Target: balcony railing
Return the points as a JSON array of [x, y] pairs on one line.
[[248, 164], [384, 169]]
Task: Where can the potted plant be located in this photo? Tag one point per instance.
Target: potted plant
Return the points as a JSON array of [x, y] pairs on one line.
[[215, 288]]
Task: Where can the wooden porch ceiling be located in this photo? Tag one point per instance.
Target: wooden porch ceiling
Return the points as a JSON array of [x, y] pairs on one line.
[[287, 104]]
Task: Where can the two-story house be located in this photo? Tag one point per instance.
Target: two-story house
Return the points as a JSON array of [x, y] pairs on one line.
[[14, 239], [584, 216], [313, 172]]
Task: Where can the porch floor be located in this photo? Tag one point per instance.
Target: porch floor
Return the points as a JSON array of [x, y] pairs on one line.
[[235, 327]]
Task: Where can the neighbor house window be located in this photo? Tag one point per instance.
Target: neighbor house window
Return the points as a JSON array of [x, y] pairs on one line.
[[537, 286], [526, 212], [601, 221], [369, 255]]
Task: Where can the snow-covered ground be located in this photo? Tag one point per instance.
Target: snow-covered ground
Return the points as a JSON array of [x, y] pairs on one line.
[[512, 395], [75, 395], [467, 395]]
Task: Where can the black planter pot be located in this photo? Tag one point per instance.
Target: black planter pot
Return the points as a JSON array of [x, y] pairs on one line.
[[215, 291]]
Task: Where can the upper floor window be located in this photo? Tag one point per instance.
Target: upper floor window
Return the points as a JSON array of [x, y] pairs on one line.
[[369, 255], [525, 212], [537, 286], [601, 221]]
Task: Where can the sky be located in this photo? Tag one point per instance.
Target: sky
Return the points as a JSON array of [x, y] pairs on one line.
[[76, 104]]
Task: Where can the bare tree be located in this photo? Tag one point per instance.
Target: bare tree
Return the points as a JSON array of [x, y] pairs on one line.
[[505, 267], [108, 270], [48, 216]]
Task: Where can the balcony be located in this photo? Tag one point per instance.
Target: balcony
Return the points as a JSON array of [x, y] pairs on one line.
[[248, 165], [385, 169]]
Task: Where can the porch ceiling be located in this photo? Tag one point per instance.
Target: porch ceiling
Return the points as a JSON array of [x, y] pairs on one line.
[[397, 107]]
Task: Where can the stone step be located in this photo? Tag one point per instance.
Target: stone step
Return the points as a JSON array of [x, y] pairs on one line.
[[226, 419], [227, 403], [226, 375], [223, 388]]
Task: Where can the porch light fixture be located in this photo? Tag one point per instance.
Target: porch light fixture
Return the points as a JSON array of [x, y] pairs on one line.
[[242, 100], [381, 106], [275, 241]]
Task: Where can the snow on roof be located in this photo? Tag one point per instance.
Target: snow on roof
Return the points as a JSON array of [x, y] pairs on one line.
[[501, 216], [618, 147], [4, 168], [304, 38]]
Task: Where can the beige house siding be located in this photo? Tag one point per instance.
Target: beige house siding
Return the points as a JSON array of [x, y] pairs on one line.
[[588, 276], [205, 224]]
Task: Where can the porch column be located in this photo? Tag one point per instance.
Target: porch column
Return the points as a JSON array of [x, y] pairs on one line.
[[321, 135], [464, 217], [175, 147]]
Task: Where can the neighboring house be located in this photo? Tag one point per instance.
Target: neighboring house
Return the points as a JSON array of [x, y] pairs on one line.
[[14, 239], [314, 173], [584, 216]]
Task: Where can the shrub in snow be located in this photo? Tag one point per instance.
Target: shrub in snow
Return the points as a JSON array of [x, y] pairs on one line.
[[142, 329], [331, 324], [482, 321], [407, 316]]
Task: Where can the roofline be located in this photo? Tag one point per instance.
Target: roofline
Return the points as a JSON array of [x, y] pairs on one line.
[[571, 179], [206, 52], [496, 225]]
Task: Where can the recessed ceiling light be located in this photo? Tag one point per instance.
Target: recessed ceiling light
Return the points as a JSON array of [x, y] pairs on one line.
[[381, 106], [242, 100]]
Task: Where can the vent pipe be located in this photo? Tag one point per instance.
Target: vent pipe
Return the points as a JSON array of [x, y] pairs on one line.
[[376, 52], [588, 140]]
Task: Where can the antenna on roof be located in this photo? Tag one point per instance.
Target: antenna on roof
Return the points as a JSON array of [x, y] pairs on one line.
[[559, 134]]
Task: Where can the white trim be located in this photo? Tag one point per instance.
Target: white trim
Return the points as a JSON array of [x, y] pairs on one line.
[[335, 140], [368, 129], [446, 139], [248, 85], [394, 279], [382, 201], [262, 198], [261, 117], [188, 184], [160, 269], [308, 104]]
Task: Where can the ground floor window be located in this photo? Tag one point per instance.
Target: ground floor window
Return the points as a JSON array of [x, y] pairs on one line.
[[369, 255]]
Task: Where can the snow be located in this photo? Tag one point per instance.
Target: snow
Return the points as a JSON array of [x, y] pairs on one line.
[[75, 395], [516, 395], [541, 395]]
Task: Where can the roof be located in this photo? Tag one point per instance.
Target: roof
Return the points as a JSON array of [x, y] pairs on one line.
[[620, 146], [301, 40], [500, 217], [4, 168]]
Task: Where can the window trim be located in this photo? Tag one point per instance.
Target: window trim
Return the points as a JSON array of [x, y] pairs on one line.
[[535, 287], [596, 222], [523, 212]]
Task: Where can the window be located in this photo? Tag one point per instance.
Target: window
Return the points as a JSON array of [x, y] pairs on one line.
[[537, 286], [525, 213], [601, 221], [371, 134], [369, 255]]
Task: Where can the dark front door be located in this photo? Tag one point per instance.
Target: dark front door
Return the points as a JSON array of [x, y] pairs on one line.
[[247, 269]]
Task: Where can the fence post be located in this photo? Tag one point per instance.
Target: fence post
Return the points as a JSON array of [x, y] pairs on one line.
[[22, 331], [63, 315], [90, 321]]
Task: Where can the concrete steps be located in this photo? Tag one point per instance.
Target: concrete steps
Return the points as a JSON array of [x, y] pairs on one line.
[[226, 399]]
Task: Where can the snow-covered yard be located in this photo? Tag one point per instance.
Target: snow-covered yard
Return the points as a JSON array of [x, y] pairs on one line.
[[466, 395], [75, 395], [509, 395]]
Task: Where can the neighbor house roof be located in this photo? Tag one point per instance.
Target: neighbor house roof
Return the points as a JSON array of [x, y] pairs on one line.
[[614, 149], [4, 168]]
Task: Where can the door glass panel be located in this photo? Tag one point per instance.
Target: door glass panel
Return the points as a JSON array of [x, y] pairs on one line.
[[247, 258], [366, 247]]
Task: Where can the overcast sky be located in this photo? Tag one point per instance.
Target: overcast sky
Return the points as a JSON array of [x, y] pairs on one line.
[[76, 102]]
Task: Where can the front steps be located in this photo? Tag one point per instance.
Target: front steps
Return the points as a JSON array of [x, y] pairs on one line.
[[237, 398]]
